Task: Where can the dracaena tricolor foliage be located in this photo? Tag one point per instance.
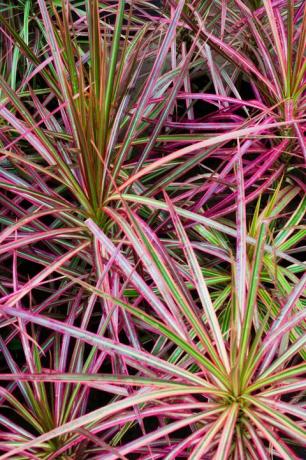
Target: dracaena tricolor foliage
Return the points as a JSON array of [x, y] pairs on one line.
[[151, 243]]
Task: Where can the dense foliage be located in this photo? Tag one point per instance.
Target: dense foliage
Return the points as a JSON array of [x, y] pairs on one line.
[[152, 203]]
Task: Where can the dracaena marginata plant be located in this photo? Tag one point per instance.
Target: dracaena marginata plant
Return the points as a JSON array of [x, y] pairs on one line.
[[81, 88], [151, 229], [214, 366], [267, 45]]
